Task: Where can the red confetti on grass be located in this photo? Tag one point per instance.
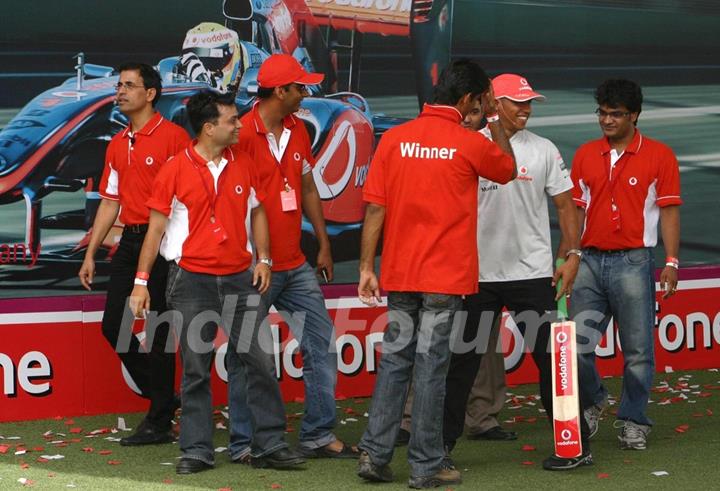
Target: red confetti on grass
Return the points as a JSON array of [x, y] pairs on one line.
[[69, 422], [359, 401], [603, 475], [705, 394], [42, 460], [528, 448], [349, 410], [4, 448], [75, 440], [275, 486], [531, 420], [527, 462], [61, 445], [711, 387], [105, 452], [225, 489], [709, 412], [51, 474], [38, 449], [114, 462], [57, 418], [24, 466], [167, 481], [76, 430], [682, 428], [88, 449], [698, 415]]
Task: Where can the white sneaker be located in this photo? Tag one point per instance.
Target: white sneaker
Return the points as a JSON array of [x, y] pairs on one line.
[[592, 416], [633, 436]]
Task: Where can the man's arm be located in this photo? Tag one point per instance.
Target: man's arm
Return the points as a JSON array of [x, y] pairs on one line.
[[499, 136], [312, 208], [105, 218], [140, 296], [368, 287], [569, 240], [670, 230], [261, 236]]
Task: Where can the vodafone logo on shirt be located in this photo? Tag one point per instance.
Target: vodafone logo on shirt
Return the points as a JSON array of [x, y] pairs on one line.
[[522, 174], [238, 189], [149, 161]]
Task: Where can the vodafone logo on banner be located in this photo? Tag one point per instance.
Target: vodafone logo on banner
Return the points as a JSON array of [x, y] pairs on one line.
[[29, 373]]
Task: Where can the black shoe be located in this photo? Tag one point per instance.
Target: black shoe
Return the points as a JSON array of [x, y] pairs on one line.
[[555, 463], [494, 433], [372, 472], [403, 438], [191, 466], [148, 435], [281, 459]]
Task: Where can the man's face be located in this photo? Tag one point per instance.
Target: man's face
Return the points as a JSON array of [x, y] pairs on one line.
[[225, 131], [616, 123], [294, 94], [514, 115], [132, 95], [473, 119]]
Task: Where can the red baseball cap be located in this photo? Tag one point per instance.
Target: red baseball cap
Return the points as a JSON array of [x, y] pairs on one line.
[[279, 70], [515, 88]]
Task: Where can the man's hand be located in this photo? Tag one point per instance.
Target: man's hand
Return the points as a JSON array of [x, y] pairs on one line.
[[566, 272], [87, 273], [368, 289], [325, 263], [139, 301], [489, 103], [668, 281], [261, 277]]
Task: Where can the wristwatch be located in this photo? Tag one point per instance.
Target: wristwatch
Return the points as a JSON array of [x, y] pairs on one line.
[[267, 261], [577, 252]]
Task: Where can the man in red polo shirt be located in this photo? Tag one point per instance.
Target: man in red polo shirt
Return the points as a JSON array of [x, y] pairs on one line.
[[422, 191], [280, 147], [133, 159], [624, 182], [204, 201]]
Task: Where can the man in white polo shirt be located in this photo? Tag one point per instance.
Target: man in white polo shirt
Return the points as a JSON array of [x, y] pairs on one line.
[[516, 260]]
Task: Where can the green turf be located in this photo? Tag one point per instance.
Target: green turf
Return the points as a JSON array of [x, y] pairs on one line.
[[689, 457]]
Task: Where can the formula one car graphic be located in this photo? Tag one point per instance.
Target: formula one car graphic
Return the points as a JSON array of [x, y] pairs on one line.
[[57, 142]]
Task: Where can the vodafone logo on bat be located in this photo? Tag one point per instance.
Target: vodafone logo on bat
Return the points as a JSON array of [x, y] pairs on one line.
[[563, 365]]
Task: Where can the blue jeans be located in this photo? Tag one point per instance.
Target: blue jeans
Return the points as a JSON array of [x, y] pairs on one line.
[[619, 284], [297, 296], [416, 346], [204, 301]]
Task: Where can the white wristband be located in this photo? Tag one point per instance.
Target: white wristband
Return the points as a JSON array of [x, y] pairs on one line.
[[672, 265], [138, 281], [492, 118]]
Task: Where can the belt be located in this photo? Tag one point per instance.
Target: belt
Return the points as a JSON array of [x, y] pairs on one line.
[[595, 250], [136, 229]]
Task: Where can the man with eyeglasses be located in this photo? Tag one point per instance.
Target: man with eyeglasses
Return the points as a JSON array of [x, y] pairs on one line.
[[280, 146], [133, 158], [623, 183]]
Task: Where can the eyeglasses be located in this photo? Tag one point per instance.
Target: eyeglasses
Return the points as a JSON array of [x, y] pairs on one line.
[[299, 87], [128, 86], [612, 114]]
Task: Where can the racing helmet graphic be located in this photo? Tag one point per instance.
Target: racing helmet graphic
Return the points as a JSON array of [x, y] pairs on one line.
[[212, 53]]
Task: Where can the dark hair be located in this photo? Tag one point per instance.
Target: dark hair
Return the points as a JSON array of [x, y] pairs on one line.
[[617, 92], [265, 92], [151, 78], [459, 78], [203, 108]]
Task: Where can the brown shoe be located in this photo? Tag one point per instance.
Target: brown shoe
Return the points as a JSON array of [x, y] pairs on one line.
[[441, 478]]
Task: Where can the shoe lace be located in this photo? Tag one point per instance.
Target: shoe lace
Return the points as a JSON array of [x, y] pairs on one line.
[[631, 431]]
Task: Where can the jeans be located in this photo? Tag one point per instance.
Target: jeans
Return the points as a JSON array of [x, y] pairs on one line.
[[297, 296], [620, 284], [416, 347], [204, 301], [151, 368]]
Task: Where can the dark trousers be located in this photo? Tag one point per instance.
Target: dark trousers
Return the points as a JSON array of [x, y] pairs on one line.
[[526, 300], [151, 368]]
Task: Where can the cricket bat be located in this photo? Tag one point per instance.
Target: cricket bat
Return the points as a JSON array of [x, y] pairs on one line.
[[566, 407]]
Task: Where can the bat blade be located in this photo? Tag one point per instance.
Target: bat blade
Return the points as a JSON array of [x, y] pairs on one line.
[[566, 409]]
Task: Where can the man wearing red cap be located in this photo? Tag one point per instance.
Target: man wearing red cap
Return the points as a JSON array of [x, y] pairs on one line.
[[422, 195], [280, 147], [516, 269]]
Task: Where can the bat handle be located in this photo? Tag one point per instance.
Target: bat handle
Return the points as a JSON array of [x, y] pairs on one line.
[[562, 301]]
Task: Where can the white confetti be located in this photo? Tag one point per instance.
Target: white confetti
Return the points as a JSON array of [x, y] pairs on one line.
[[23, 481], [366, 415], [660, 473], [664, 403], [343, 422], [225, 414], [71, 485], [53, 457], [48, 433], [220, 449], [166, 463], [351, 420], [113, 439], [669, 369], [12, 438], [220, 426], [21, 452], [121, 424]]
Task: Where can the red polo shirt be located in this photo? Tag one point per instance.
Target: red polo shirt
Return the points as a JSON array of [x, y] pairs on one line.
[[181, 191], [425, 173], [131, 167], [295, 159], [644, 179]]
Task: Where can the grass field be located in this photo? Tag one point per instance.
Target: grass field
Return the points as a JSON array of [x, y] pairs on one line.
[[685, 443]]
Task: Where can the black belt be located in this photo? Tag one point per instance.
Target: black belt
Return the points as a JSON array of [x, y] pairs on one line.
[[595, 250], [136, 229]]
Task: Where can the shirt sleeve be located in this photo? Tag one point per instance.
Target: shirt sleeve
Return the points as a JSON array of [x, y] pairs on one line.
[[258, 192], [486, 158], [580, 190], [164, 187], [308, 157], [180, 142], [374, 188], [109, 182], [668, 185], [557, 178]]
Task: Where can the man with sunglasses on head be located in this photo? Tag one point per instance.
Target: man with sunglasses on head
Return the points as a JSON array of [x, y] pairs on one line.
[[623, 183], [280, 147], [133, 158]]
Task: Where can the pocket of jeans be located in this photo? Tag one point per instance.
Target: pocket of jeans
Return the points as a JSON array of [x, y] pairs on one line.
[[440, 300], [636, 257], [172, 279]]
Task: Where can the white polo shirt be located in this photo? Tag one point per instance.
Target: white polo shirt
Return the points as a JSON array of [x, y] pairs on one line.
[[513, 221]]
